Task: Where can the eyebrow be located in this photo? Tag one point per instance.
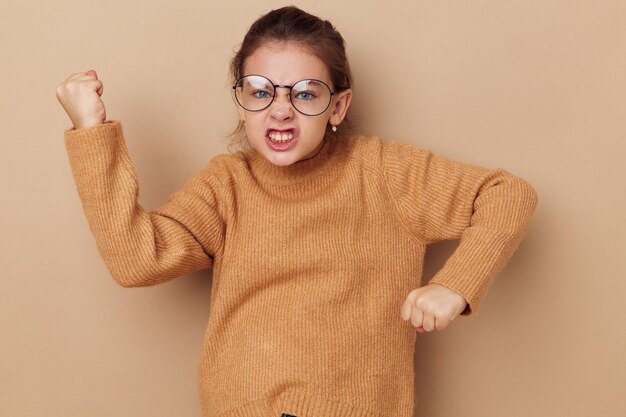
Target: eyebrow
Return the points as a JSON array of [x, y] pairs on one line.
[[312, 80]]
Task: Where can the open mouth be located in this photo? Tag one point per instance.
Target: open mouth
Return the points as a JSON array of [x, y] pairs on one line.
[[280, 136], [280, 140]]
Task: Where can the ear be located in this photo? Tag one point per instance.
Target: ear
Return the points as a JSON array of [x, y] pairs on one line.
[[340, 108]]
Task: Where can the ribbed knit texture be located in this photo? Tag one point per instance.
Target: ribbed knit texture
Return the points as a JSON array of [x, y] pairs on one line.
[[311, 262]]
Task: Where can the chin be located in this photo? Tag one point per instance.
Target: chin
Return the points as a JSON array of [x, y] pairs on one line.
[[282, 159]]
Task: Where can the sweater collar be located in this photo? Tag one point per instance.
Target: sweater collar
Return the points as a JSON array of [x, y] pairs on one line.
[[304, 170]]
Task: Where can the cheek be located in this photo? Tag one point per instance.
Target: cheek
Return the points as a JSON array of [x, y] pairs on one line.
[[254, 126], [321, 123], [314, 131]]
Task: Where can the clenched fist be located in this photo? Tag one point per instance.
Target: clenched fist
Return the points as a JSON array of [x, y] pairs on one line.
[[80, 95], [431, 307]]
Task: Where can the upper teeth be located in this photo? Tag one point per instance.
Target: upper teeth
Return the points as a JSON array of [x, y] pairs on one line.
[[280, 136]]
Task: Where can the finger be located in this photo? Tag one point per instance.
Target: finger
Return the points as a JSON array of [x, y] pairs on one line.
[[417, 316], [443, 322], [72, 77], [440, 323], [405, 312], [428, 322], [100, 88], [95, 85], [85, 75], [81, 76]]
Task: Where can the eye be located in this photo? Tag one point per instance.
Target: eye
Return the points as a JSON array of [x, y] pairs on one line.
[[305, 95], [261, 94]]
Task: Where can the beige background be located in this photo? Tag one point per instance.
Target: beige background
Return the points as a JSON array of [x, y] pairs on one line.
[[535, 87]]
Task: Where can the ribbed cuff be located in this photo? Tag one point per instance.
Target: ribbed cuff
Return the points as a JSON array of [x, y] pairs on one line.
[[298, 403], [93, 145]]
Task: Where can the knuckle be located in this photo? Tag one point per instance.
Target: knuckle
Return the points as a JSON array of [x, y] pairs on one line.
[[418, 299], [61, 91], [81, 87], [426, 306], [443, 317], [412, 294]]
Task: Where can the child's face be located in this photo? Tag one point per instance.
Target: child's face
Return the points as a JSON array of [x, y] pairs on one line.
[[285, 64]]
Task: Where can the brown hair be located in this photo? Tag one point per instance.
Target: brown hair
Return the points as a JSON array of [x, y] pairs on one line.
[[291, 24]]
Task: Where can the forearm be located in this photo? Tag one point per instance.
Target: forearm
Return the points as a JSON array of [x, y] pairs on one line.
[[502, 213], [139, 248]]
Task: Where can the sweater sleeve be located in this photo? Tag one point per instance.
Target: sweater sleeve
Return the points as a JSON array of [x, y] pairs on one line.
[[142, 248], [488, 210]]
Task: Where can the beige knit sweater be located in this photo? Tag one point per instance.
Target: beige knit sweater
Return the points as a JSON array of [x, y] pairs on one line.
[[311, 262]]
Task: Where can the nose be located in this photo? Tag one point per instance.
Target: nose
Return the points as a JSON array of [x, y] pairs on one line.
[[281, 108]]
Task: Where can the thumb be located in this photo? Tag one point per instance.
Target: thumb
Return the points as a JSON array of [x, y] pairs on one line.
[[93, 72]]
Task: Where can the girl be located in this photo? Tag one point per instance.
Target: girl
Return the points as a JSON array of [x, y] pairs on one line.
[[316, 235]]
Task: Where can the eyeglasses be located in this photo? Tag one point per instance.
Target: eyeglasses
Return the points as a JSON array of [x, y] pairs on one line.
[[310, 97]]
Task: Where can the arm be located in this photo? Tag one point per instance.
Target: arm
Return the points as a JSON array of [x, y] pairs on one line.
[[489, 210], [142, 248]]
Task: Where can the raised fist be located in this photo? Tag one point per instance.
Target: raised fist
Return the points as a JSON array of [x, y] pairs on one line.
[[80, 95]]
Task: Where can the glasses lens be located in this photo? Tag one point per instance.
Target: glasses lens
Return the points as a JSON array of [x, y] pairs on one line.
[[310, 97], [254, 92]]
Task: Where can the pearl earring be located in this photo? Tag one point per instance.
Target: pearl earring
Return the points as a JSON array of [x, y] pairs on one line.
[[334, 128]]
